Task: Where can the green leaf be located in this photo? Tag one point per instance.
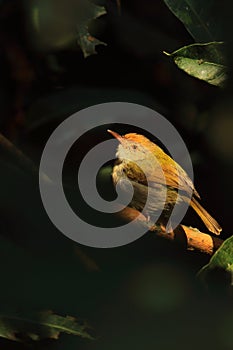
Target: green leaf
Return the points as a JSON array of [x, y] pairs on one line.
[[85, 40], [221, 260], [53, 25], [203, 61], [204, 20], [39, 326]]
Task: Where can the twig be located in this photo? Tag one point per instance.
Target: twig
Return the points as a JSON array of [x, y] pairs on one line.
[[190, 237], [19, 158], [118, 2], [87, 261]]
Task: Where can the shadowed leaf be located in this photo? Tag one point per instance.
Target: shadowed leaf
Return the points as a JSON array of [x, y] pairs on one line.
[[204, 20], [39, 326], [85, 40], [56, 25]]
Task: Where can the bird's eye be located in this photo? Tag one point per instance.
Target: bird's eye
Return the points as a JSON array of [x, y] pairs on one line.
[[135, 147]]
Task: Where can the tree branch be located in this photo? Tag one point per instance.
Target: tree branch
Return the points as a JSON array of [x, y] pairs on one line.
[[189, 237], [192, 238]]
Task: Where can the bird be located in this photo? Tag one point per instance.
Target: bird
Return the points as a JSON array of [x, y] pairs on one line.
[[161, 174]]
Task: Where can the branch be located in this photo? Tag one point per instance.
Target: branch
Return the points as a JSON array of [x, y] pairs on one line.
[[192, 238], [189, 237]]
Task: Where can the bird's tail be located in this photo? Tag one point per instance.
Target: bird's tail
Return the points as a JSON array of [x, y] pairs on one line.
[[208, 220]]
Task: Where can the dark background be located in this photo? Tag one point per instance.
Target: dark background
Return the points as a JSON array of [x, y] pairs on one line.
[[144, 294]]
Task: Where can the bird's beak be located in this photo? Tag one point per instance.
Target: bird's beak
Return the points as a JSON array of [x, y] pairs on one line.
[[116, 135]]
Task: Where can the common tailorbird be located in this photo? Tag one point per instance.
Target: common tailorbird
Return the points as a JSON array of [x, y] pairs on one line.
[[161, 173]]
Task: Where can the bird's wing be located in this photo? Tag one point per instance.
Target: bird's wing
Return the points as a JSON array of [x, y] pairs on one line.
[[175, 177], [171, 175]]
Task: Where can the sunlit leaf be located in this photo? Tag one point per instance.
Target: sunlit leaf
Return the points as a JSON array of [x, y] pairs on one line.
[[222, 260], [203, 61]]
